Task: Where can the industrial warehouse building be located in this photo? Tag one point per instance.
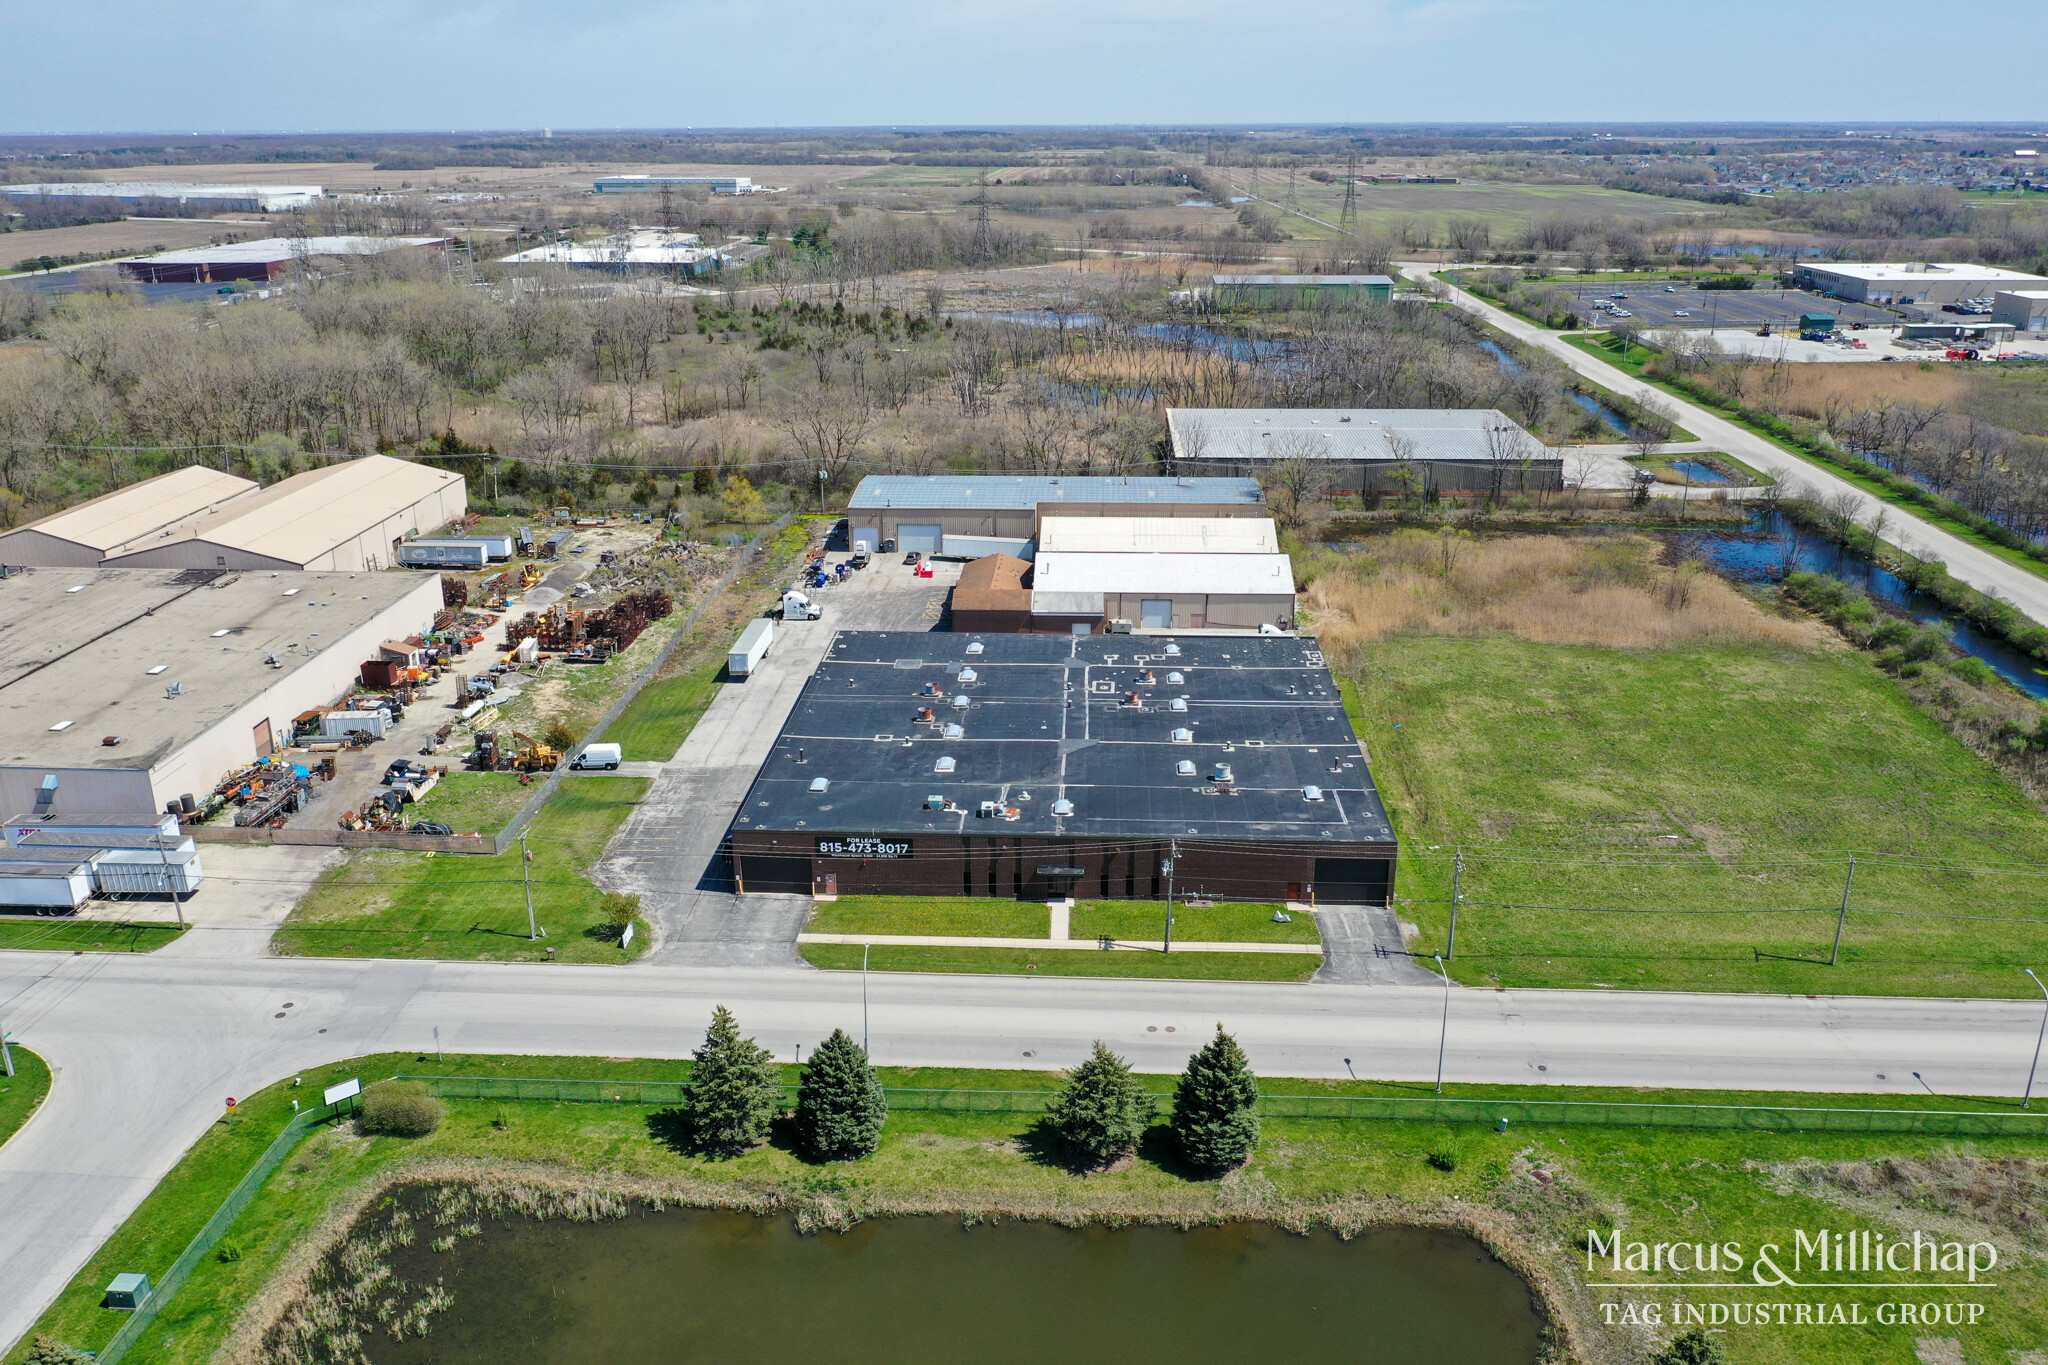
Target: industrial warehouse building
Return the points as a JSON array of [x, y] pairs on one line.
[[636, 250], [1458, 451], [240, 198], [85, 535], [1922, 282], [1042, 766], [2023, 310], [968, 515], [123, 689], [266, 259], [347, 516], [1300, 291], [654, 184]]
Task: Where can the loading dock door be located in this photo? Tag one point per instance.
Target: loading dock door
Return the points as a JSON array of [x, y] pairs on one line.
[[924, 539], [1156, 615], [866, 538], [1352, 881], [780, 876], [261, 735]]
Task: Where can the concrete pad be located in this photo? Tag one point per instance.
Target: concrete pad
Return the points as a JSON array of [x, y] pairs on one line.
[[248, 891]]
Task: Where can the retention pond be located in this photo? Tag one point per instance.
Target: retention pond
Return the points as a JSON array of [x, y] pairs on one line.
[[695, 1285]]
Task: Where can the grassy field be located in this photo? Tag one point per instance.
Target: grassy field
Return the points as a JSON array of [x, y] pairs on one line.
[[473, 803], [390, 904], [85, 935], [22, 1093], [1177, 966], [947, 916], [1536, 1187], [1682, 818]]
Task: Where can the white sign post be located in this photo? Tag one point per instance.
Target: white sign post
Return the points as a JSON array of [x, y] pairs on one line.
[[348, 1089]]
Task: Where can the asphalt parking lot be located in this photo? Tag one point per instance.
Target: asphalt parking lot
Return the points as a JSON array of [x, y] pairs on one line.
[[1652, 307]]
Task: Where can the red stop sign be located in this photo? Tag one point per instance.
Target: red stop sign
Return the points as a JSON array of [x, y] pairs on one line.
[[231, 1101]]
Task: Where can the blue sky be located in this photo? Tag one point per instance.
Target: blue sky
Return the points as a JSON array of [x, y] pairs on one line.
[[189, 65]]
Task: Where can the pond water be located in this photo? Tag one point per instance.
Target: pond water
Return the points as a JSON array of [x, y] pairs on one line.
[[1608, 416], [1699, 473], [1508, 364], [704, 1286], [1759, 553]]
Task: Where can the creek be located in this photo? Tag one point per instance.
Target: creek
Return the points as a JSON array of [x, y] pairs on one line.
[[686, 1285]]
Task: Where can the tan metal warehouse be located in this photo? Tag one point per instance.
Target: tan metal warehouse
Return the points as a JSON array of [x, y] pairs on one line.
[[348, 516], [133, 687], [82, 536], [1181, 592]]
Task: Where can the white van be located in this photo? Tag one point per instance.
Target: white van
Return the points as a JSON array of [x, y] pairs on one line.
[[598, 756]]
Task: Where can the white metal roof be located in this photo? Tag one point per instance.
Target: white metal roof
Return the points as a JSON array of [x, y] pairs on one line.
[[1131, 535], [1917, 271], [269, 196], [1233, 434], [267, 249], [305, 516], [2029, 294], [637, 246], [131, 513], [1228, 281], [1165, 574], [1024, 492]]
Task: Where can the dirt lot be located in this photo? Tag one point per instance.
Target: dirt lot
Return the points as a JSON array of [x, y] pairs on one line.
[[130, 235]]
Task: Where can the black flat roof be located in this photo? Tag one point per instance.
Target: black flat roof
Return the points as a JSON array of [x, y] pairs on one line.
[[1047, 718]]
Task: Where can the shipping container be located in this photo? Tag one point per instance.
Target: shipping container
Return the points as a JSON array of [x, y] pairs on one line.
[[46, 887], [137, 872], [748, 651], [556, 543]]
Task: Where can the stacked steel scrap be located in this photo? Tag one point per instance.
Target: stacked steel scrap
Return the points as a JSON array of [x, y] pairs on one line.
[[454, 591], [560, 629]]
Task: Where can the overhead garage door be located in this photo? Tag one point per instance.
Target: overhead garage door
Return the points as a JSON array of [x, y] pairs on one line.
[[1352, 881], [925, 539], [784, 876], [866, 538], [1156, 615]]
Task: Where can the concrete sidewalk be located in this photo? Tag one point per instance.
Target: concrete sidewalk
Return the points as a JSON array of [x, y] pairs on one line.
[[1063, 944]]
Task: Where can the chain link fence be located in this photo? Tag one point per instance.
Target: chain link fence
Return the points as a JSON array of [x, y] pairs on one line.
[[1597, 1113]]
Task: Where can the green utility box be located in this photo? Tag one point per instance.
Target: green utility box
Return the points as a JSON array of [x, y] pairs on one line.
[[127, 1291], [1816, 322]]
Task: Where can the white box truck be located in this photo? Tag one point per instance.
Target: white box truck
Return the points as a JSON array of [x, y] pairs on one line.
[[748, 651]]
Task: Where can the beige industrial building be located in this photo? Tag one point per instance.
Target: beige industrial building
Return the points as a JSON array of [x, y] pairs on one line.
[[2024, 310], [348, 516], [968, 516], [124, 689], [1162, 591], [85, 535], [1458, 451], [1920, 282]]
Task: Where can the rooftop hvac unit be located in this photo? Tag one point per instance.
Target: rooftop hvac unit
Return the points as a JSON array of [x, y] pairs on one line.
[[944, 765], [935, 802], [1185, 768], [820, 785], [968, 675], [1177, 704], [960, 702], [1311, 793], [1183, 735], [974, 647], [954, 731], [1062, 807], [1174, 680], [1221, 773], [1173, 651]]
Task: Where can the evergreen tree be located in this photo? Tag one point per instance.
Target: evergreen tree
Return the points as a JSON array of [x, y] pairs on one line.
[[1691, 1347], [1216, 1106], [733, 1089], [839, 1107], [1102, 1110]]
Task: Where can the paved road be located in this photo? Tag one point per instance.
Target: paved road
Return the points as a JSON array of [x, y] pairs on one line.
[[1979, 568], [146, 1046]]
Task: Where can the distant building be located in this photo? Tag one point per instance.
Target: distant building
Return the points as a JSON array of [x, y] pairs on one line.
[[1295, 291], [242, 198], [265, 259], [653, 184], [2024, 310], [636, 250], [1935, 282], [1001, 513], [1460, 451]]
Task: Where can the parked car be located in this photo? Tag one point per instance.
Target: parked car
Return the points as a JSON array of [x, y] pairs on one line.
[[912, 556]]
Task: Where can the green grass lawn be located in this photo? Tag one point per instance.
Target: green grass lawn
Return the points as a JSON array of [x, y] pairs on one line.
[[392, 904], [1681, 818], [947, 916], [1067, 962], [1664, 1184], [23, 1092], [85, 935], [1145, 920], [472, 803]]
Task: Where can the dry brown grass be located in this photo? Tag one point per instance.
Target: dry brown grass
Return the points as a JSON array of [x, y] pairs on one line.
[[1609, 591], [1981, 1195], [1808, 389]]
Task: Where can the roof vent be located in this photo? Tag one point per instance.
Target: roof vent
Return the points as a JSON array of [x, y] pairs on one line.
[[1311, 793], [820, 785], [1185, 768], [974, 647], [954, 732], [1177, 704], [175, 690], [1183, 736], [968, 675], [960, 702], [63, 725], [217, 634], [1174, 680], [1172, 650], [1221, 772], [158, 669], [1062, 807], [944, 765]]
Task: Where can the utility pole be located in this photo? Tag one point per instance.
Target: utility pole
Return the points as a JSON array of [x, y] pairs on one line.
[[1172, 857], [2025, 1103], [865, 949], [169, 885], [1457, 876], [6, 1054], [1843, 918], [533, 932]]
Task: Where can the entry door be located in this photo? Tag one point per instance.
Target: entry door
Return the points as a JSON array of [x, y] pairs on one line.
[[261, 734], [1156, 614], [924, 539]]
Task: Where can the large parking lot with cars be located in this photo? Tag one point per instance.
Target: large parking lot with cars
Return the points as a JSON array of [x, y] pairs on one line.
[[1658, 303]]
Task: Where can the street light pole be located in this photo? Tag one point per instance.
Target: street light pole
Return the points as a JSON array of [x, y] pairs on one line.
[[865, 949], [172, 887], [526, 876], [2028, 1101], [1443, 1037], [821, 492], [1172, 857]]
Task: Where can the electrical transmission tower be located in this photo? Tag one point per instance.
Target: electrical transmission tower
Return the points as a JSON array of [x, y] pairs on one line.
[[621, 242], [1293, 205], [668, 208], [983, 250], [1347, 217]]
